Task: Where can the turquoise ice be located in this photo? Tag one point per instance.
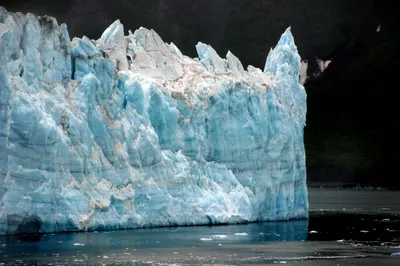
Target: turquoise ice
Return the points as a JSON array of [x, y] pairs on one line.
[[127, 132]]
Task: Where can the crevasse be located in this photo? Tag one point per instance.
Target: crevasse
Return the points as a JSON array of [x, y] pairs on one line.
[[127, 132]]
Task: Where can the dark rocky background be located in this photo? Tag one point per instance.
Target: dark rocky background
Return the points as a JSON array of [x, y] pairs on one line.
[[349, 105]]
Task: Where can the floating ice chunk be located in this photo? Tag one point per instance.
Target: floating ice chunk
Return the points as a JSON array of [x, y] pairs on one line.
[[241, 234], [78, 244], [364, 231], [220, 236], [313, 232], [206, 239], [341, 240]]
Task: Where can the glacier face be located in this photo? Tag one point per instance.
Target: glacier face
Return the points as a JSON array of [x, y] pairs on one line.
[[126, 132]]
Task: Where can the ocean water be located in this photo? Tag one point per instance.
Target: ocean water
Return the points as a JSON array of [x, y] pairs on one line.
[[346, 227]]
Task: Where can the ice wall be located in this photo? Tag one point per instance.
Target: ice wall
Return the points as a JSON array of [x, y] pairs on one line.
[[126, 132]]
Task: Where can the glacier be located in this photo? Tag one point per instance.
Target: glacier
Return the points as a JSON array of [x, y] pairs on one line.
[[127, 132]]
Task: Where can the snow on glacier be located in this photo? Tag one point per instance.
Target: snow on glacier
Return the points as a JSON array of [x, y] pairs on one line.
[[126, 132]]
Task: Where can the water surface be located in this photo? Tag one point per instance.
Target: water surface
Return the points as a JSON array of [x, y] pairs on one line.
[[345, 227]]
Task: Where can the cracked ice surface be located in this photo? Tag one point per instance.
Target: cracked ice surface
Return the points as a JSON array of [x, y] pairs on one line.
[[126, 132]]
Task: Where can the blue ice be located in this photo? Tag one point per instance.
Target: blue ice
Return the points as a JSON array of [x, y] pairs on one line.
[[127, 132]]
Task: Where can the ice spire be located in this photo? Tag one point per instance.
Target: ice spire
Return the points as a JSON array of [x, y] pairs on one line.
[[284, 63]]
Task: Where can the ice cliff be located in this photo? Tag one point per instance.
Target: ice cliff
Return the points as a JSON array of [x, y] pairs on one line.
[[126, 132]]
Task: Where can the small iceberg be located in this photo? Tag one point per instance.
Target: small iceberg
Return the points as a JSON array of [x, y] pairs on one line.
[[220, 236], [241, 234]]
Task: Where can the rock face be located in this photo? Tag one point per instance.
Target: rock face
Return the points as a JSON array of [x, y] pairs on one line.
[[127, 132], [322, 66]]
